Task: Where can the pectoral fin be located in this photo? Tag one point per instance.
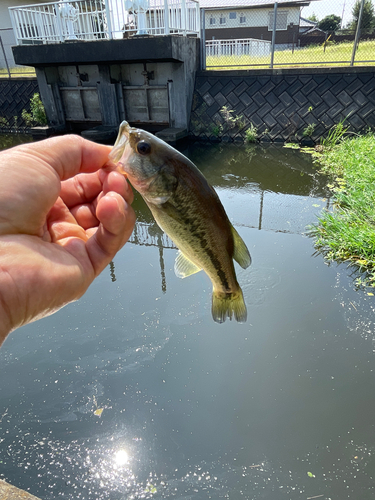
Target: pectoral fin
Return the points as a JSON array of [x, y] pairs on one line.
[[184, 267], [241, 253]]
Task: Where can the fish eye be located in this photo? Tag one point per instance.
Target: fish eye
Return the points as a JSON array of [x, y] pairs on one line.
[[143, 148]]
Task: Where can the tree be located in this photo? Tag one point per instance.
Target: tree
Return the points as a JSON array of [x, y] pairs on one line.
[[330, 23], [368, 15], [313, 18]]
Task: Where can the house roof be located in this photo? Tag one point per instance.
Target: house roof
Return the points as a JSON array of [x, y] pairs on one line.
[[306, 23], [231, 4], [313, 31]]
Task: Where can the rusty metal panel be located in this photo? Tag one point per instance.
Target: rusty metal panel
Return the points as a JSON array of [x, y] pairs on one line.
[[158, 104], [146, 103], [136, 107], [81, 103], [91, 105], [72, 103]]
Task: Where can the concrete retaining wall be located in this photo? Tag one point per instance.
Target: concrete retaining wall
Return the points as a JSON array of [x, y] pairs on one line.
[[281, 104], [9, 492], [15, 95], [118, 73]]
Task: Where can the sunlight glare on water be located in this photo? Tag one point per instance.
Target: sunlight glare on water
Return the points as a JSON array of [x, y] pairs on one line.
[[121, 457]]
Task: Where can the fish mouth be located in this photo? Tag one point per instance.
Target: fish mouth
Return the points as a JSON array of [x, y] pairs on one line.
[[121, 142]]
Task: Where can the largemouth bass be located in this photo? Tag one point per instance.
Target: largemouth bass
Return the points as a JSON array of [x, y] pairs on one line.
[[189, 211]]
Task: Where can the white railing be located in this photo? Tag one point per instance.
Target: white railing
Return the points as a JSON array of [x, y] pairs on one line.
[[238, 47], [103, 19]]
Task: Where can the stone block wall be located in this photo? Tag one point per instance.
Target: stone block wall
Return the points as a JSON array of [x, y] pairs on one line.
[[15, 95], [282, 104]]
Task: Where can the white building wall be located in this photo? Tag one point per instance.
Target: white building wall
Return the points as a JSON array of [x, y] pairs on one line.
[[253, 17], [4, 12], [6, 31]]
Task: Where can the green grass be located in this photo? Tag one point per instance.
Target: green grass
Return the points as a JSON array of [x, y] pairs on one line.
[[338, 54], [348, 232], [16, 72]]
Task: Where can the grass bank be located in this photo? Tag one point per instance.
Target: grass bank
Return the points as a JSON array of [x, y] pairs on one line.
[[347, 233], [17, 72], [337, 54]]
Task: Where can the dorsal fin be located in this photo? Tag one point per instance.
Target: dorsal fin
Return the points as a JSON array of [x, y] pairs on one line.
[[241, 253], [184, 267]]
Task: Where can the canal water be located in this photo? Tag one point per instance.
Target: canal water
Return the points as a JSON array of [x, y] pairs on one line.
[[134, 392]]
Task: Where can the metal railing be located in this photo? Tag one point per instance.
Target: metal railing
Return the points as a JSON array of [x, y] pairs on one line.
[[238, 47], [291, 33], [102, 19]]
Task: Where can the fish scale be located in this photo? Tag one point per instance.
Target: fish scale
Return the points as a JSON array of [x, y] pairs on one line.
[[189, 211]]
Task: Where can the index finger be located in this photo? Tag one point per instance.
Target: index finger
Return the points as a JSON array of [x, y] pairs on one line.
[[69, 155]]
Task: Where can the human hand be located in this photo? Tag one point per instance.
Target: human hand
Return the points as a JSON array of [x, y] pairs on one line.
[[62, 220]]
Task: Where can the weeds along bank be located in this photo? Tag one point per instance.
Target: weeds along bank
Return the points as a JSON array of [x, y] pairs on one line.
[[347, 232]]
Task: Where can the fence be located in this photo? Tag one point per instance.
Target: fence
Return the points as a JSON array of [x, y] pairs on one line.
[[8, 68], [290, 34], [95, 19], [245, 46]]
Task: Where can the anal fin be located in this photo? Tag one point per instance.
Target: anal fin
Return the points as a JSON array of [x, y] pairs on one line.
[[184, 267], [241, 253]]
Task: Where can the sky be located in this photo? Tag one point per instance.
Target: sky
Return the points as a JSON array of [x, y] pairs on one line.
[[323, 8]]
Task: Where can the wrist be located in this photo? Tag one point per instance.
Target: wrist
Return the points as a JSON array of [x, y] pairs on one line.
[[5, 320], [7, 296]]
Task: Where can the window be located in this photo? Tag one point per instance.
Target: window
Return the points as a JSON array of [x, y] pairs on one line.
[[223, 20], [242, 18], [212, 20], [281, 20], [232, 15]]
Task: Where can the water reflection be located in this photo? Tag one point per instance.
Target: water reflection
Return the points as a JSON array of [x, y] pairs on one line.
[[273, 189], [10, 140]]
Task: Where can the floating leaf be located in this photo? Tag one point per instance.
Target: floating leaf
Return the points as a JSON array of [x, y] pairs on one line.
[[361, 262], [150, 488], [371, 294], [316, 205], [310, 474], [98, 412]]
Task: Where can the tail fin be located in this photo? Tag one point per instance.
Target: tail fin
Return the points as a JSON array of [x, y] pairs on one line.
[[226, 305]]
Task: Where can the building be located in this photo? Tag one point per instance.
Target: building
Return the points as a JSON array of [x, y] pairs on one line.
[[245, 19], [6, 32]]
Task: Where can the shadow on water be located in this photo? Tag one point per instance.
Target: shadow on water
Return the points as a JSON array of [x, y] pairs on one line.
[[134, 392]]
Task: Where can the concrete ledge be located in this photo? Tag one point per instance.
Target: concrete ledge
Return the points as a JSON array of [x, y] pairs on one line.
[[172, 135], [135, 49], [9, 492], [43, 132], [101, 133]]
